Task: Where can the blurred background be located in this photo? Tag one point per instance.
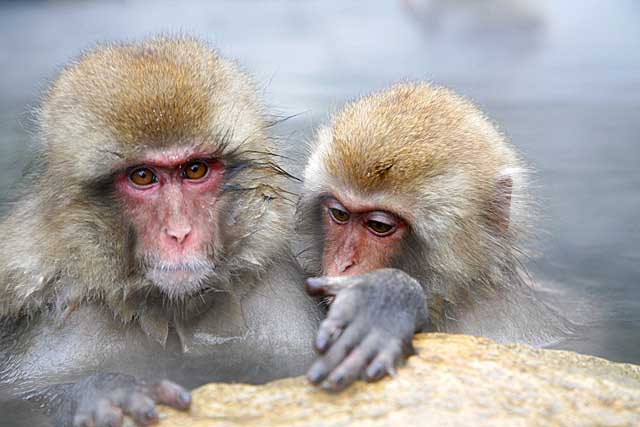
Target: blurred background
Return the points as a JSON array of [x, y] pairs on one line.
[[561, 78]]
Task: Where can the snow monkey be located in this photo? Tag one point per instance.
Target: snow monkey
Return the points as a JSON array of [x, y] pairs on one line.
[[150, 240], [415, 207]]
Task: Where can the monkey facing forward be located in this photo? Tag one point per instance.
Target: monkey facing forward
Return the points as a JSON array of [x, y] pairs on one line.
[[415, 207], [150, 240]]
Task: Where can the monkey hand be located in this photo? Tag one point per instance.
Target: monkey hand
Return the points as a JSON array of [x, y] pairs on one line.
[[369, 327], [104, 399]]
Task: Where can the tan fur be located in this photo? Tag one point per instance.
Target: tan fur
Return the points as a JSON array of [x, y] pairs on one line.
[[129, 98], [396, 139], [433, 158], [63, 245]]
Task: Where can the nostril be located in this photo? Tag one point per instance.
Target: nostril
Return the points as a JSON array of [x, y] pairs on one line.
[[179, 234], [345, 265]]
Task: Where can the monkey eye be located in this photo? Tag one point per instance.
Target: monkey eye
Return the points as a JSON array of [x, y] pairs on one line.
[[339, 216], [195, 170], [381, 223], [379, 228], [143, 177]]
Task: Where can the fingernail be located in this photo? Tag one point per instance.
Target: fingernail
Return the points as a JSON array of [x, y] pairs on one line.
[[313, 283], [314, 280], [338, 381], [315, 375], [321, 343], [150, 415], [185, 399], [375, 373]]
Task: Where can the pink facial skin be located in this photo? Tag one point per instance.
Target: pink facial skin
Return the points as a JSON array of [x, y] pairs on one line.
[[173, 215], [358, 239]]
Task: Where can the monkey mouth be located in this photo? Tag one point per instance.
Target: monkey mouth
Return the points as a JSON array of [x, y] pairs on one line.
[[180, 278]]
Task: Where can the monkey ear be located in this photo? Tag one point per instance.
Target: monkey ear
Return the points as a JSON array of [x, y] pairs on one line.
[[500, 205]]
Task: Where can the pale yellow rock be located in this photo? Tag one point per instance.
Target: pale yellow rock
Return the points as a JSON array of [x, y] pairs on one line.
[[455, 380]]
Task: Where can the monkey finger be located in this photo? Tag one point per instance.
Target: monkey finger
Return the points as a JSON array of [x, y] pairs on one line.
[[328, 333], [353, 366], [385, 362], [102, 413], [171, 394], [326, 363], [141, 408], [339, 316], [326, 285], [108, 415]]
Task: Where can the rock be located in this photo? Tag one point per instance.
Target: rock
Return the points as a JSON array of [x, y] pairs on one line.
[[455, 380]]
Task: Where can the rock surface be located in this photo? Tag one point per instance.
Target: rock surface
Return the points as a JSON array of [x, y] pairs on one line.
[[455, 380]]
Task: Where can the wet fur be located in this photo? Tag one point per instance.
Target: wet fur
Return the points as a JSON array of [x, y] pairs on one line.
[[74, 298]]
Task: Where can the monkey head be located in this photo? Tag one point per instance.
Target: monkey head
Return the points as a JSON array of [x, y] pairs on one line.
[[157, 171], [413, 177]]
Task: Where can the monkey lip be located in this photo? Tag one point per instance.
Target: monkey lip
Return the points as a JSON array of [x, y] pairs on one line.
[[176, 278], [183, 267]]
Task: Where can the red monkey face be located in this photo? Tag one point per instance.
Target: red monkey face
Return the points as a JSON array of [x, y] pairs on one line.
[[169, 199], [358, 239]]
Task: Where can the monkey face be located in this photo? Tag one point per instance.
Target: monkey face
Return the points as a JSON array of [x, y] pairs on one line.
[[358, 238], [169, 199]]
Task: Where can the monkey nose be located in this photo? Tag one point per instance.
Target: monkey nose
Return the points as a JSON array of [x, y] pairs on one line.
[[178, 233]]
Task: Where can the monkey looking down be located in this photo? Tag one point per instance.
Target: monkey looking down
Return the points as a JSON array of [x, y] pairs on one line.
[[416, 207], [150, 240]]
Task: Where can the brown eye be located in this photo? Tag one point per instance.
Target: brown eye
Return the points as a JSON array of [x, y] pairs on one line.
[[380, 228], [339, 216], [143, 177], [195, 170]]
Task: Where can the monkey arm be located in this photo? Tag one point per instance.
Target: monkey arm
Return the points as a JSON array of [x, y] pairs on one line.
[[53, 374], [369, 327]]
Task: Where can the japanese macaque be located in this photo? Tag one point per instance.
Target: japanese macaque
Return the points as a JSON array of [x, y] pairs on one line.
[[414, 206], [150, 240]]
